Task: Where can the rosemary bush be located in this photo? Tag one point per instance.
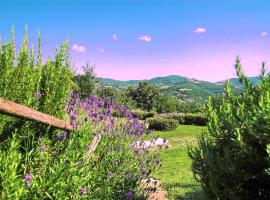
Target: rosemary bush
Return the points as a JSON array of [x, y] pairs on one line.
[[232, 159]]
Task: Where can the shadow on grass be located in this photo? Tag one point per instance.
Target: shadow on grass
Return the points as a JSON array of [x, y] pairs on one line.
[[194, 192]]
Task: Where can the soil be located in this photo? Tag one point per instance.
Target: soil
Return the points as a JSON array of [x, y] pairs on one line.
[[157, 192]]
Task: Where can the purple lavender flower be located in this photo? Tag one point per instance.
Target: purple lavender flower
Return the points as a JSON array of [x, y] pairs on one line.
[[72, 116], [129, 195], [164, 141], [143, 171], [157, 162], [137, 152], [42, 148], [116, 163], [112, 122], [63, 136], [28, 177], [27, 184], [109, 174], [38, 95], [83, 191]]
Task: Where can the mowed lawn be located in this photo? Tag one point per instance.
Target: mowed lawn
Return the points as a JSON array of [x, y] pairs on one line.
[[175, 175]]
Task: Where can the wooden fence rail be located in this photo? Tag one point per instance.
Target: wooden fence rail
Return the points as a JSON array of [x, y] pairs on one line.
[[16, 110]]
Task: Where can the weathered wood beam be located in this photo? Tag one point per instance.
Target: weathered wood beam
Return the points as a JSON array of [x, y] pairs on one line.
[[16, 110]]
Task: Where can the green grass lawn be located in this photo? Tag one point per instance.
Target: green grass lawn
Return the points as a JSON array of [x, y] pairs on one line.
[[176, 175]]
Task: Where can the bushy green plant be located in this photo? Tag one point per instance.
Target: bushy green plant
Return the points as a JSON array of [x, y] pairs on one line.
[[166, 103], [142, 115], [190, 107], [86, 83], [145, 95], [232, 159], [161, 124], [187, 118], [25, 80], [180, 117], [195, 119], [121, 97]]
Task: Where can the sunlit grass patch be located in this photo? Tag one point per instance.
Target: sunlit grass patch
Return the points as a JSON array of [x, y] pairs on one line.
[[175, 174]]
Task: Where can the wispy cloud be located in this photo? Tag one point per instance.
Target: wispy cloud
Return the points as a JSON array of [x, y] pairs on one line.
[[256, 58], [100, 49], [146, 38], [263, 34], [114, 37], [199, 30], [78, 48]]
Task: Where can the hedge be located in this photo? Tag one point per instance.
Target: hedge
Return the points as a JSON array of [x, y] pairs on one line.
[[162, 124], [186, 118], [141, 114]]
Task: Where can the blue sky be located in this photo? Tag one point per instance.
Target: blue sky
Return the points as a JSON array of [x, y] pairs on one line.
[[143, 39]]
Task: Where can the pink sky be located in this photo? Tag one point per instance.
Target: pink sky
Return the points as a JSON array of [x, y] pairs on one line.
[[211, 62]]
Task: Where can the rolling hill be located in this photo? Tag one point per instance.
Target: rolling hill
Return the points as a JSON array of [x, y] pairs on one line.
[[182, 87]]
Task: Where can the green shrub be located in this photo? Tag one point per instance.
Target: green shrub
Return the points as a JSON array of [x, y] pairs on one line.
[[85, 83], [176, 116], [190, 107], [186, 118], [166, 103], [142, 115], [145, 95], [24, 80], [195, 119], [232, 159], [161, 124]]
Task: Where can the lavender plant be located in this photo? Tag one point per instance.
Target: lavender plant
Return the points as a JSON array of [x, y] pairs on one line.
[[121, 162]]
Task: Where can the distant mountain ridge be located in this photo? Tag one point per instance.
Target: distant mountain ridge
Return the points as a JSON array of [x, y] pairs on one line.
[[182, 87]]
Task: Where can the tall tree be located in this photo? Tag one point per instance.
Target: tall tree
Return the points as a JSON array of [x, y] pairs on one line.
[[145, 95], [86, 82]]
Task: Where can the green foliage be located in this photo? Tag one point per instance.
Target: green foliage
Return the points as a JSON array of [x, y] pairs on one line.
[[46, 88], [86, 82], [186, 118], [120, 97], [106, 92], [190, 107], [161, 124], [167, 103], [232, 159], [24, 80], [11, 184], [145, 95], [195, 119], [142, 115]]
